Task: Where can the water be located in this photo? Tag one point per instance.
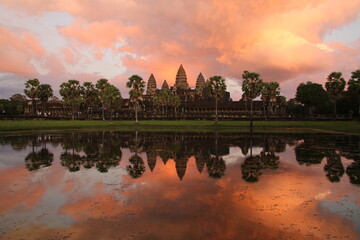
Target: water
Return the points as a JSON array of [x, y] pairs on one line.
[[136, 185]]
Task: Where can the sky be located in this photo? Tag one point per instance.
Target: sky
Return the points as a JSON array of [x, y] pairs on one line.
[[288, 41]]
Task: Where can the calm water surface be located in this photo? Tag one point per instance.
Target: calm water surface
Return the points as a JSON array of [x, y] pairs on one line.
[[135, 185]]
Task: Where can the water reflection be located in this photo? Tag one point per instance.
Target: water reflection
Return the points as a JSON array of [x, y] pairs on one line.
[[334, 168], [125, 185], [103, 150], [100, 150], [354, 172]]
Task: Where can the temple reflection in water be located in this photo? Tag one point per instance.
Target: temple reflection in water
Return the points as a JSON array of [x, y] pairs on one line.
[[173, 185], [258, 152]]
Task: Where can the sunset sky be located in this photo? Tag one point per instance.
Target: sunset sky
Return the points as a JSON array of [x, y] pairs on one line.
[[289, 41]]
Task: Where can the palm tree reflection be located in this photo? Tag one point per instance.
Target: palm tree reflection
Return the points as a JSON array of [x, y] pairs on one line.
[[102, 151], [252, 167], [215, 164], [216, 167], [334, 168], [136, 167], [71, 160], [38, 159], [307, 153], [353, 171]]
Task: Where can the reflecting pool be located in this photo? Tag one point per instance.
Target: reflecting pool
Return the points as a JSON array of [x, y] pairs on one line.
[[146, 185]]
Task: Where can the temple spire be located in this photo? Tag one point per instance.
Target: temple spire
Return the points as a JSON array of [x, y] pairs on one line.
[[181, 79], [151, 159], [200, 84], [151, 86], [165, 86]]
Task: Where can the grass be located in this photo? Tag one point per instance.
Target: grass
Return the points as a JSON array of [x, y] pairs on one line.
[[351, 127]]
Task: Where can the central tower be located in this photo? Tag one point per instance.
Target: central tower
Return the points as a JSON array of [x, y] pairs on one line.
[[181, 80]]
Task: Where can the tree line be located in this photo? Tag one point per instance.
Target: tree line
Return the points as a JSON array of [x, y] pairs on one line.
[[311, 98]]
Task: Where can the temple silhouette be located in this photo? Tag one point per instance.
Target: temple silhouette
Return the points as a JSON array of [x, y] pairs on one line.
[[194, 104], [181, 87]]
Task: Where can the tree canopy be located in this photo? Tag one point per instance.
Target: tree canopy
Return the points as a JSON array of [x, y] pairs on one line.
[[252, 84], [216, 87], [335, 85], [71, 93], [137, 88], [311, 94], [31, 91]]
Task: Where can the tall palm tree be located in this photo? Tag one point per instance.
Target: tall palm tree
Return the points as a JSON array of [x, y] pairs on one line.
[[251, 86], [269, 92], [111, 98], [175, 102], [335, 87], [31, 91], [166, 99], [101, 85], [162, 99], [90, 97], [354, 85], [137, 85], [71, 92], [44, 93], [217, 87]]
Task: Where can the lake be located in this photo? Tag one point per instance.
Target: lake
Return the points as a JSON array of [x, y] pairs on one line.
[[170, 185]]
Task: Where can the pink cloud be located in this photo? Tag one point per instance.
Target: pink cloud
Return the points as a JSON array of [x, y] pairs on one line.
[[99, 34], [17, 51]]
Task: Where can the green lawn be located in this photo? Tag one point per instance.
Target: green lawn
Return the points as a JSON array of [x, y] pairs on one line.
[[152, 125]]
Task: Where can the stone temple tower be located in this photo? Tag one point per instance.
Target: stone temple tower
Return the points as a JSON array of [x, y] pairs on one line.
[[181, 80], [165, 86], [151, 86], [200, 84]]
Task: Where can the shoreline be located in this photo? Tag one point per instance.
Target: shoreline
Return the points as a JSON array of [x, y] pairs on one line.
[[336, 127]]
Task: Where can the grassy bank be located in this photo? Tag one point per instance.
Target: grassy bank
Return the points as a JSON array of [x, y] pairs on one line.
[[259, 126]]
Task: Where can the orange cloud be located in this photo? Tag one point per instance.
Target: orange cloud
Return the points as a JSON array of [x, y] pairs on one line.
[[281, 39], [99, 34]]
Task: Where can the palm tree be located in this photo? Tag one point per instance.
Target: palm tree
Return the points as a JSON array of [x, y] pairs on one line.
[[166, 99], [71, 92], [162, 99], [269, 92], [251, 86], [137, 85], [217, 88], [175, 102], [100, 85], [354, 85], [44, 93], [111, 98], [334, 87], [31, 91], [90, 97]]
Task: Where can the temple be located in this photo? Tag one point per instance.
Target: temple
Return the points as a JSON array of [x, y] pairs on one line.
[[183, 102], [181, 79], [195, 103], [151, 86]]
